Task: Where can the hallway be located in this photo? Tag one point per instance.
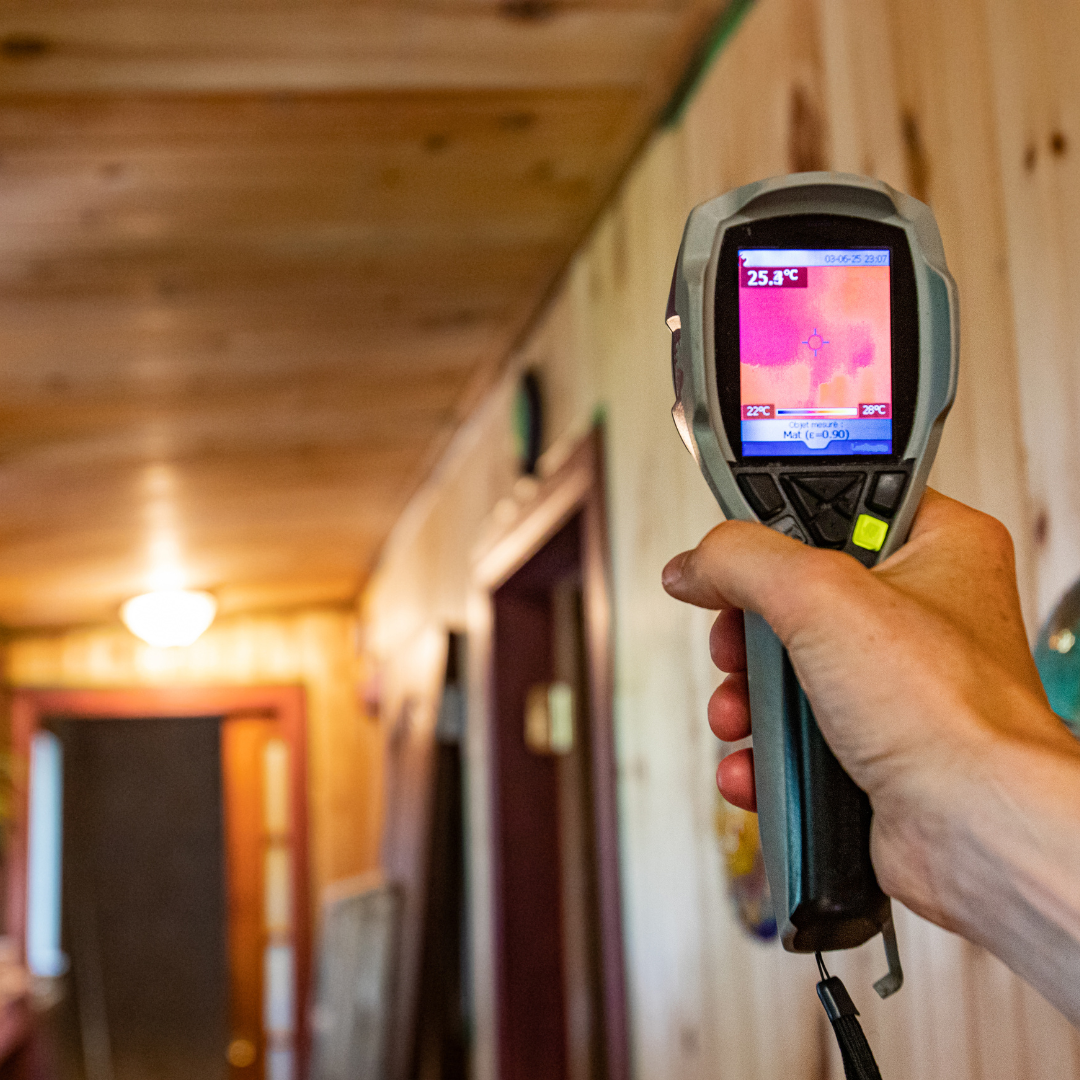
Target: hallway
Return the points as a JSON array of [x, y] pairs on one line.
[[339, 328]]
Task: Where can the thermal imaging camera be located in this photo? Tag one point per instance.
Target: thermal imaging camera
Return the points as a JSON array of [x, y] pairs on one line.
[[814, 355]]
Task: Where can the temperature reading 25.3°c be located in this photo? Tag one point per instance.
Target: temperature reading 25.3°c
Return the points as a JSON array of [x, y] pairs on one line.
[[782, 277]]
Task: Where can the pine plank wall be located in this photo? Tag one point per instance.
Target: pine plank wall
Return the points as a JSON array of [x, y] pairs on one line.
[[973, 106]]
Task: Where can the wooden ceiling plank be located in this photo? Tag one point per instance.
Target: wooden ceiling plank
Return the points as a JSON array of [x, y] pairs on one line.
[[298, 294], [302, 189], [518, 177], [133, 48], [35, 373], [346, 121]]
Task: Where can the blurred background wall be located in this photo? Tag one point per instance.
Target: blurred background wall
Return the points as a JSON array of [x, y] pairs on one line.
[[973, 107]]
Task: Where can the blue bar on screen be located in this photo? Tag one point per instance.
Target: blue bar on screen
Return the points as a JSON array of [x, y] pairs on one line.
[[781, 257]]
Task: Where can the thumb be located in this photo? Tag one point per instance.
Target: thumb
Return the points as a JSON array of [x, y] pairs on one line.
[[746, 565]]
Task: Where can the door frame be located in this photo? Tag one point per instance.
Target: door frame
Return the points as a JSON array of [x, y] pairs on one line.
[[30, 708], [576, 486]]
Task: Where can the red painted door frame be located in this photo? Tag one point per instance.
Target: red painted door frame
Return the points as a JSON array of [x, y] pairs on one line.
[[286, 704]]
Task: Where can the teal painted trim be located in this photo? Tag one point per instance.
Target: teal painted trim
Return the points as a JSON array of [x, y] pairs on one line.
[[726, 25]]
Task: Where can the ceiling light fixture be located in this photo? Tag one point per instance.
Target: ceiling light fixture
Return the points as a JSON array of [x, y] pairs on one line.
[[169, 618]]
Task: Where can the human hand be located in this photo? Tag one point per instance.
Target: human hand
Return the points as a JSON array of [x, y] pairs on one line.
[[918, 671]]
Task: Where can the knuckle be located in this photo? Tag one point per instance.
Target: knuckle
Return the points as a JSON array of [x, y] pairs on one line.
[[995, 540], [1000, 538], [987, 531], [725, 532]]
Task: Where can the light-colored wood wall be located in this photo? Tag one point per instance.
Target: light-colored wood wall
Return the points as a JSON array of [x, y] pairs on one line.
[[974, 106], [315, 648]]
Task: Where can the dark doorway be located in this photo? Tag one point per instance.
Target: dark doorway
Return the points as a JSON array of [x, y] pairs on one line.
[[550, 976], [243, 775], [144, 898], [543, 644], [440, 1046]]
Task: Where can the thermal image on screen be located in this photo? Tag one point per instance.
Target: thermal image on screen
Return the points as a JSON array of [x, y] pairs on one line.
[[815, 352]]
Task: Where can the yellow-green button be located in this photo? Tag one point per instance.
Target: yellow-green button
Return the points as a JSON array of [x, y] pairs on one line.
[[869, 532]]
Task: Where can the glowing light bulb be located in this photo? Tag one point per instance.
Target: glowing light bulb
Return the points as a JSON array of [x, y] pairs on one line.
[[169, 618]]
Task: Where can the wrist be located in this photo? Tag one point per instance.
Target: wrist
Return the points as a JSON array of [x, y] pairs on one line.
[[937, 808], [990, 852]]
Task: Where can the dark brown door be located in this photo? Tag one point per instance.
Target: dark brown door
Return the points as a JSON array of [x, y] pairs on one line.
[[144, 896], [551, 1012]]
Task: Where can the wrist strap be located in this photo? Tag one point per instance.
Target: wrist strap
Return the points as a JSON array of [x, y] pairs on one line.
[[859, 1063]]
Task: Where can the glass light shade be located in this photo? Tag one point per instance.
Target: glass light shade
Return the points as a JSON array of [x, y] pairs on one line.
[[169, 618]]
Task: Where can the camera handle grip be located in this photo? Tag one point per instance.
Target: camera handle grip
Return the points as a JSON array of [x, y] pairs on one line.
[[814, 820]]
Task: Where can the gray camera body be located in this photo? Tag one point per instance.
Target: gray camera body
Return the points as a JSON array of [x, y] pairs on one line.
[[814, 822]]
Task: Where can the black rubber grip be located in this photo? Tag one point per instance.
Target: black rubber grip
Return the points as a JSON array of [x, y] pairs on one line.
[[836, 902]]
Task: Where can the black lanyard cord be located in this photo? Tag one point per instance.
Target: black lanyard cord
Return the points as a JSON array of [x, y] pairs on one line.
[[859, 1063]]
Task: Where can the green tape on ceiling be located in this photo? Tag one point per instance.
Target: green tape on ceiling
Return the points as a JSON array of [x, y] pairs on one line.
[[726, 24]]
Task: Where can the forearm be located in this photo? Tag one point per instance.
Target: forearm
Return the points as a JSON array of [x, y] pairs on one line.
[[995, 857]]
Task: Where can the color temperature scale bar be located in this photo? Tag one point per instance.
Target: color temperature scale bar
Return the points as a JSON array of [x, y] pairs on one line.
[[820, 413]]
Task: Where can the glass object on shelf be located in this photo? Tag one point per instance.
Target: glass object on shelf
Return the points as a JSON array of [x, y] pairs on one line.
[[1057, 656]]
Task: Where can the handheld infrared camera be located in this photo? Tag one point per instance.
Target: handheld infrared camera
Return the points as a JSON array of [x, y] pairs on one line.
[[814, 354]]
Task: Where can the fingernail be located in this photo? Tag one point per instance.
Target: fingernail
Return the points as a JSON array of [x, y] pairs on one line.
[[673, 572]]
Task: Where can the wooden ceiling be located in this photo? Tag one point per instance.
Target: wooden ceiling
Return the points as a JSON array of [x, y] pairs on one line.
[[258, 260]]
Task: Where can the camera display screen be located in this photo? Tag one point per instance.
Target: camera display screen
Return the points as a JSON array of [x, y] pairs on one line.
[[815, 352]]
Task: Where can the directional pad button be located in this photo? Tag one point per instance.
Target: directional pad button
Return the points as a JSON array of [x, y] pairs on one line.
[[826, 502], [831, 527], [827, 486], [847, 502]]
